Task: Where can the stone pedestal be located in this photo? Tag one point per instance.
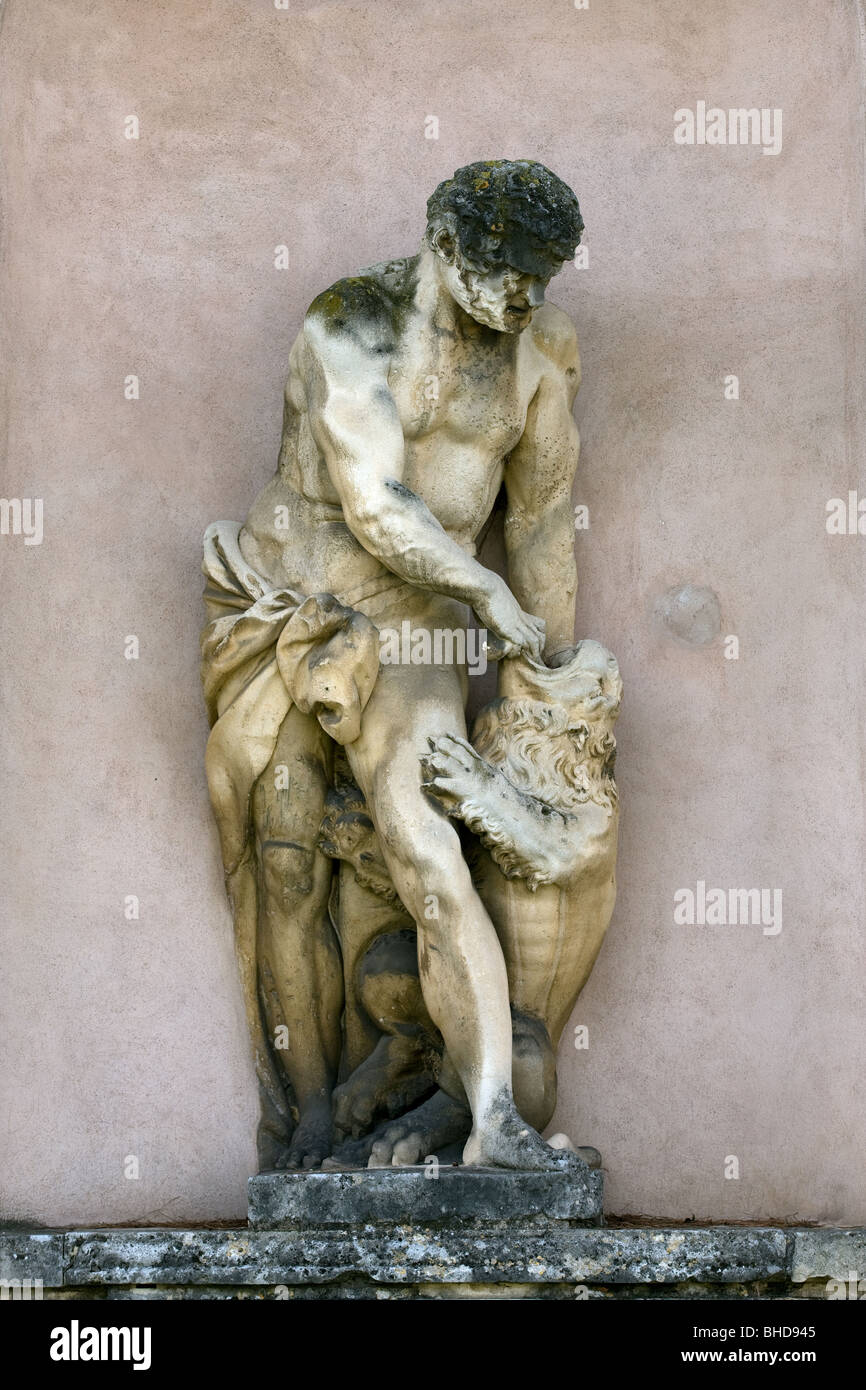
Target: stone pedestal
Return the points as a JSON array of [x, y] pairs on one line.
[[434, 1195], [428, 1225]]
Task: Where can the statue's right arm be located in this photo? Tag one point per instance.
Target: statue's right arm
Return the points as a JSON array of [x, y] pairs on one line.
[[356, 427]]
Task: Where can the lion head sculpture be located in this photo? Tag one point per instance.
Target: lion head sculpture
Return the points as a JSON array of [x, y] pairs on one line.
[[550, 731]]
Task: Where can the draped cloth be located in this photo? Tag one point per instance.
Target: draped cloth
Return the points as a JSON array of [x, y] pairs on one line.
[[264, 649]]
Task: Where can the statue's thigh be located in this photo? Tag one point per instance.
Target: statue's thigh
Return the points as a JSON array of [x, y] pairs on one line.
[[408, 706], [289, 796]]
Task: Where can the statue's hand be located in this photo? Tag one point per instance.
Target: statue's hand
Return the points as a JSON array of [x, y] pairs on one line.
[[499, 611]]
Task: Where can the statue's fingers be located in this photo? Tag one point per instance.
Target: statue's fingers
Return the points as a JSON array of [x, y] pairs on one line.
[[497, 648]]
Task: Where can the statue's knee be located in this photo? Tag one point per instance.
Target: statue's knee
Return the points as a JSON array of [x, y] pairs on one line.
[[533, 1068], [435, 877], [287, 871]]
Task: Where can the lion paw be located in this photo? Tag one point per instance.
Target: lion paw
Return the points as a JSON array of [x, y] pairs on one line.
[[454, 771]]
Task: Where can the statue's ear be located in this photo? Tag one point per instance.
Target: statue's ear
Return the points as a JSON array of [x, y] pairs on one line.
[[443, 244]]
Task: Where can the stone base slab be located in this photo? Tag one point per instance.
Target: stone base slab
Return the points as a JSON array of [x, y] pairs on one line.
[[421, 1195], [375, 1260]]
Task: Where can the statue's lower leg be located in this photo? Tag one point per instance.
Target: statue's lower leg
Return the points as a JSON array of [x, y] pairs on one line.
[[300, 970]]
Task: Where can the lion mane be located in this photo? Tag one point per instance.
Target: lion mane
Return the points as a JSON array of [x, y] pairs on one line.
[[548, 754], [554, 759]]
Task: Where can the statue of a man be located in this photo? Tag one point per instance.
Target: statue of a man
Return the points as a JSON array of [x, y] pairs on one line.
[[415, 391]]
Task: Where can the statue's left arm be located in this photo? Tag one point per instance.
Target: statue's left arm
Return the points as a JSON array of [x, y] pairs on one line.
[[539, 473]]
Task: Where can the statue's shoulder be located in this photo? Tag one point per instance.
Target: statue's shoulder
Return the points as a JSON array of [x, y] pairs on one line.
[[367, 306], [555, 335], [395, 278]]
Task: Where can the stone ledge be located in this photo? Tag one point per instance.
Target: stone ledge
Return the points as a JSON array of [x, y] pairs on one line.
[[823, 1252], [407, 1257], [31, 1255], [401, 1254]]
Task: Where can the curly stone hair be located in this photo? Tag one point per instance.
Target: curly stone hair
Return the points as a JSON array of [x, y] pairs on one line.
[[508, 212], [548, 754]]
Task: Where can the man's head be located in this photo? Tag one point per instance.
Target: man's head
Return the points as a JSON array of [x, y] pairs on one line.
[[501, 230]]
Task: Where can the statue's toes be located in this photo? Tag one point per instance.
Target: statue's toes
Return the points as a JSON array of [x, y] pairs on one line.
[[380, 1154], [354, 1152], [353, 1112], [442, 764], [407, 1151], [343, 1112], [445, 789], [452, 747], [590, 1156]]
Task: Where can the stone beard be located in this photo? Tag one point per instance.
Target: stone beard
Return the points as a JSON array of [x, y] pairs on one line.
[[416, 911]]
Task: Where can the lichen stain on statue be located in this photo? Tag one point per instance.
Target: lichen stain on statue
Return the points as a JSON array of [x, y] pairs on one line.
[[416, 912]]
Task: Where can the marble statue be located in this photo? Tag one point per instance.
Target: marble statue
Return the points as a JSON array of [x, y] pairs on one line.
[[416, 912]]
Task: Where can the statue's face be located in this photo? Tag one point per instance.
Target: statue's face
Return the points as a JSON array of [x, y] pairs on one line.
[[504, 299]]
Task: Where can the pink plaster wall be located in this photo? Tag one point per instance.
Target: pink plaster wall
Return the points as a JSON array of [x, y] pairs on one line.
[[156, 257]]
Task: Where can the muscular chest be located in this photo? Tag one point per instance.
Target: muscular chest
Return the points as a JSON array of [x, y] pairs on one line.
[[468, 392]]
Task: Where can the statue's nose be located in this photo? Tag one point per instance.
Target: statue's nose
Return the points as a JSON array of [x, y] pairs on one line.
[[535, 294]]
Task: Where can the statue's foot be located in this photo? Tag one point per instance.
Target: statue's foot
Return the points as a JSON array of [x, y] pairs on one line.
[[505, 1140], [590, 1156], [454, 772], [440, 1121], [272, 1147], [311, 1140], [393, 1077]]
